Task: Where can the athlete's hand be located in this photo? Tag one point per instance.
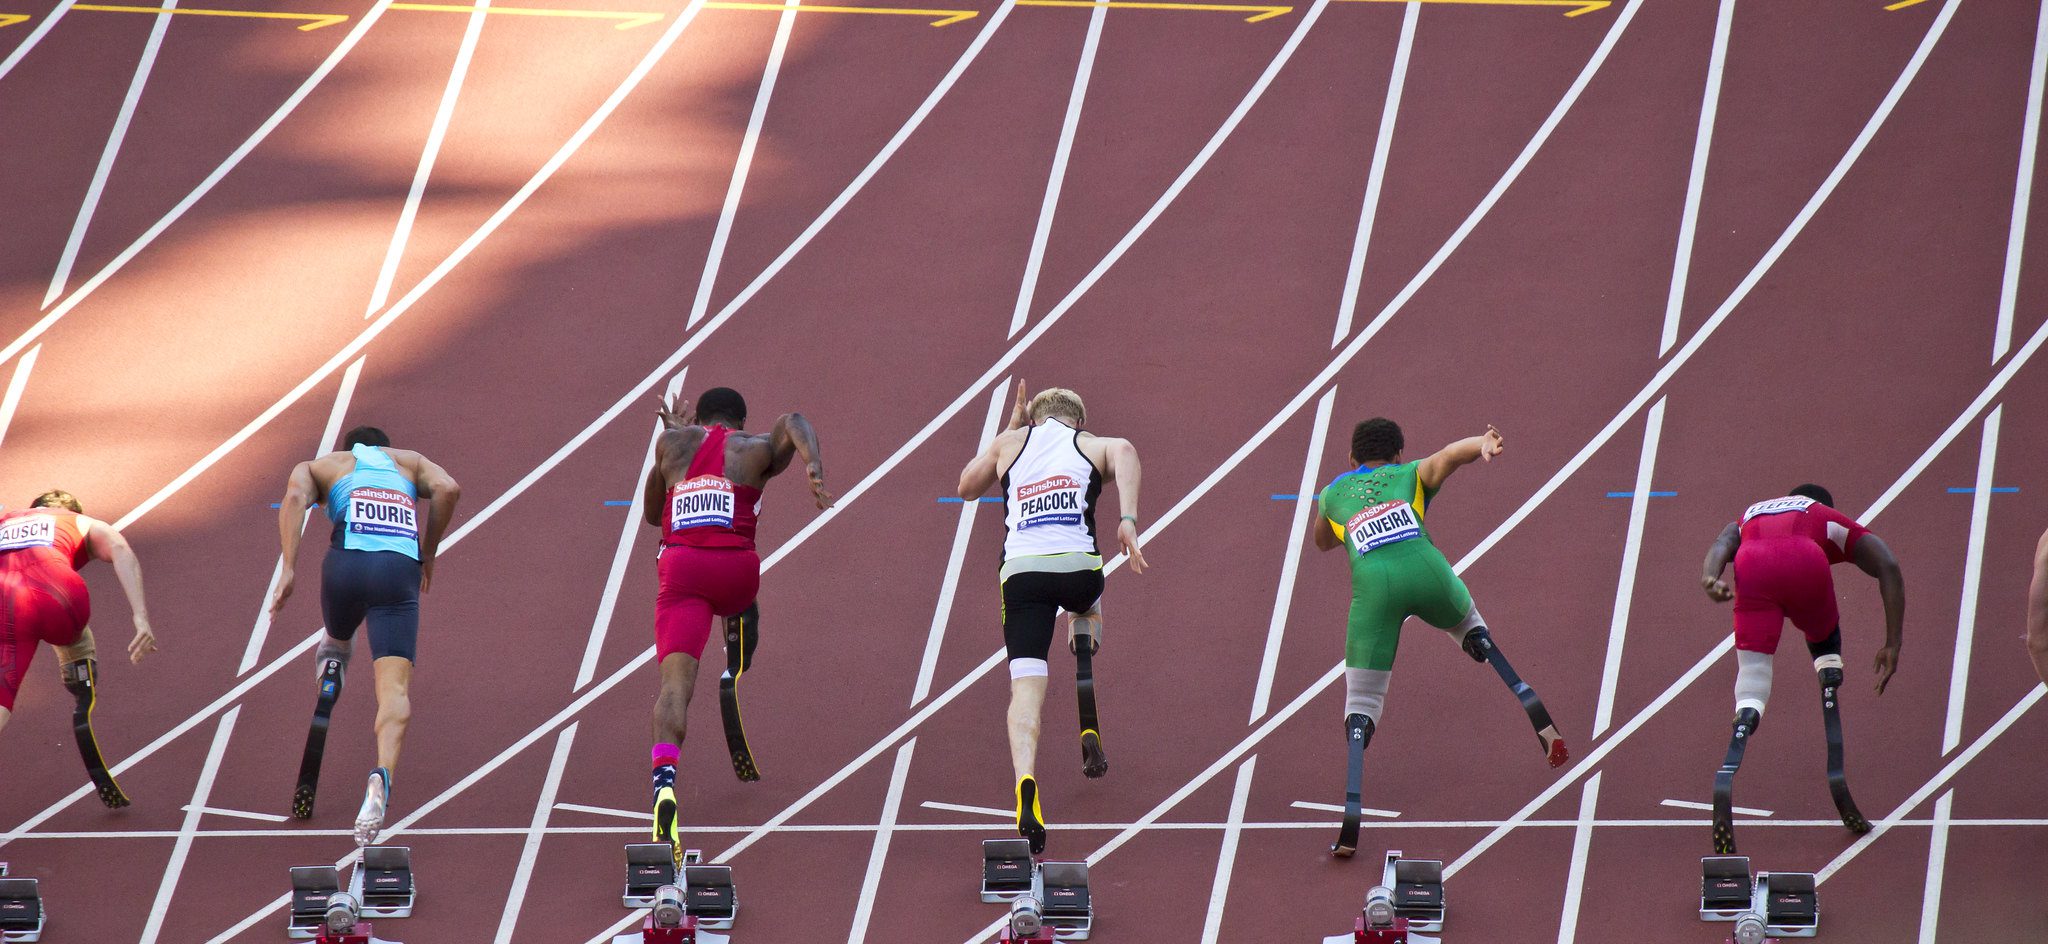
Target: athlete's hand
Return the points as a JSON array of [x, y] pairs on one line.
[[816, 472], [1717, 589], [426, 575], [1887, 662], [282, 593], [1127, 535], [674, 414], [1020, 413], [144, 642], [1491, 444]]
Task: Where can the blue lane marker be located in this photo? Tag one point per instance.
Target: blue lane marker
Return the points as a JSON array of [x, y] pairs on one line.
[[1286, 497], [957, 501], [616, 503], [1995, 490], [275, 506], [1632, 494]]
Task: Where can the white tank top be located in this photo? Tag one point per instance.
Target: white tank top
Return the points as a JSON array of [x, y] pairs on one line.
[[1049, 495]]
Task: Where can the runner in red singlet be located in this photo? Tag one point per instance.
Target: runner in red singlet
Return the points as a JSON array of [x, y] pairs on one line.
[[704, 493], [42, 598]]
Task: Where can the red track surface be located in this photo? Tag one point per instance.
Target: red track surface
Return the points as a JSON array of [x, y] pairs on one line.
[[1855, 351]]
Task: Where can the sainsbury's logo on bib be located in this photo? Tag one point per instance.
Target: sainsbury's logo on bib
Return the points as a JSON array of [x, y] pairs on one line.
[[703, 502], [1778, 506], [383, 512], [32, 531], [1383, 524], [1052, 500]]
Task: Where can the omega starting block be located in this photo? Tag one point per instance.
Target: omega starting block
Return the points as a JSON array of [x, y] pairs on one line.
[[1060, 907], [1417, 890], [382, 882], [21, 908], [708, 895], [1762, 905]]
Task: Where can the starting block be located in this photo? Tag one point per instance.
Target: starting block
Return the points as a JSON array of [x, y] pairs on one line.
[[709, 896], [312, 886], [1791, 903], [1006, 869], [1418, 890], [1763, 905], [383, 882], [1061, 889], [649, 866], [21, 909], [1727, 888]]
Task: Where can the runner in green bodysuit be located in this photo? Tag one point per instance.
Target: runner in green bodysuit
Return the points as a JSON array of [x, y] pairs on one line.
[[1375, 512]]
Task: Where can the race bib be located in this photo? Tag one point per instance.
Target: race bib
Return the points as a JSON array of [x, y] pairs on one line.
[[32, 531], [1778, 506], [1051, 501], [382, 512], [1383, 524], [703, 502]]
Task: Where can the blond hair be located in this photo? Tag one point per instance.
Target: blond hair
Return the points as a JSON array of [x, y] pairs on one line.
[[1058, 401], [57, 498]]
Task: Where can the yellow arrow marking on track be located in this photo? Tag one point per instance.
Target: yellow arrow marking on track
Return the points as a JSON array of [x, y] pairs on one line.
[[945, 17], [626, 19], [1902, 4], [312, 21], [1259, 12], [1583, 6], [9, 19]]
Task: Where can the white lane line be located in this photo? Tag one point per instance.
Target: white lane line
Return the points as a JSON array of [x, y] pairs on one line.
[[16, 386], [1376, 176], [522, 877], [1226, 858], [186, 833], [640, 815], [1937, 858], [406, 302], [78, 295], [1695, 183], [942, 614], [2022, 190], [1941, 779], [1283, 598], [608, 601], [1337, 808], [436, 133], [856, 829], [233, 695], [1582, 850], [784, 24], [100, 173], [1631, 556], [35, 36], [963, 808], [239, 814], [1709, 807], [259, 632], [892, 803], [1973, 576], [1042, 233], [747, 294]]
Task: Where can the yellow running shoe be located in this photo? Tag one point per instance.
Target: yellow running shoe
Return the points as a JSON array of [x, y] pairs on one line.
[[665, 820], [1030, 818]]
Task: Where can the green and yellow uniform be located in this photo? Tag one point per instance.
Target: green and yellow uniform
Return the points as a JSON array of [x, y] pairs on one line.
[[1396, 571]]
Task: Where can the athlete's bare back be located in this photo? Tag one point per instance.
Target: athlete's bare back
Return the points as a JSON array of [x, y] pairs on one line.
[[751, 459]]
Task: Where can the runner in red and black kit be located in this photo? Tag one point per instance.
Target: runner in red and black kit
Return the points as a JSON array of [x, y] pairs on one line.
[[1783, 550], [704, 493], [42, 599]]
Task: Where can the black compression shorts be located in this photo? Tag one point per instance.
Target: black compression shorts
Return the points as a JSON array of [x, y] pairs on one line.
[[1032, 601], [380, 588]]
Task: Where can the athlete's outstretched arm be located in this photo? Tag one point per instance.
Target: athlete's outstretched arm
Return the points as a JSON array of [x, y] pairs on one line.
[[301, 492], [1718, 555], [1435, 469], [793, 438], [441, 492], [107, 544], [1875, 559], [2037, 611], [1125, 472], [1319, 529], [980, 474]]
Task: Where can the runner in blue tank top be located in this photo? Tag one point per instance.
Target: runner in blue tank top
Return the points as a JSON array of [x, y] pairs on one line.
[[390, 508]]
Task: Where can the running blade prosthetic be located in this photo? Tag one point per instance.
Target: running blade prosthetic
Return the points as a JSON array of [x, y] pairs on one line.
[[742, 633], [81, 679], [1358, 730]]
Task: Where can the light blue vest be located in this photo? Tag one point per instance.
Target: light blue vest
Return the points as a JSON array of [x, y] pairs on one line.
[[375, 507]]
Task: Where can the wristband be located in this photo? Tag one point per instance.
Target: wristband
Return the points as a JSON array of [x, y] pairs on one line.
[[1131, 518]]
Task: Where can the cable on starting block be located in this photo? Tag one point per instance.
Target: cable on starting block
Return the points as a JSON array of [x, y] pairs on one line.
[[21, 909]]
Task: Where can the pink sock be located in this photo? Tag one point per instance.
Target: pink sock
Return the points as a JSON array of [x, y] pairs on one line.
[[665, 755]]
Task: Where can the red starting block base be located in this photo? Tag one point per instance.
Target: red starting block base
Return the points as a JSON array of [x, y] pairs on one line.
[[361, 935], [685, 934], [1398, 934], [1044, 936]]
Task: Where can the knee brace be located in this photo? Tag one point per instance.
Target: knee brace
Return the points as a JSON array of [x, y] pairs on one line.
[[1365, 692], [1752, 680]]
